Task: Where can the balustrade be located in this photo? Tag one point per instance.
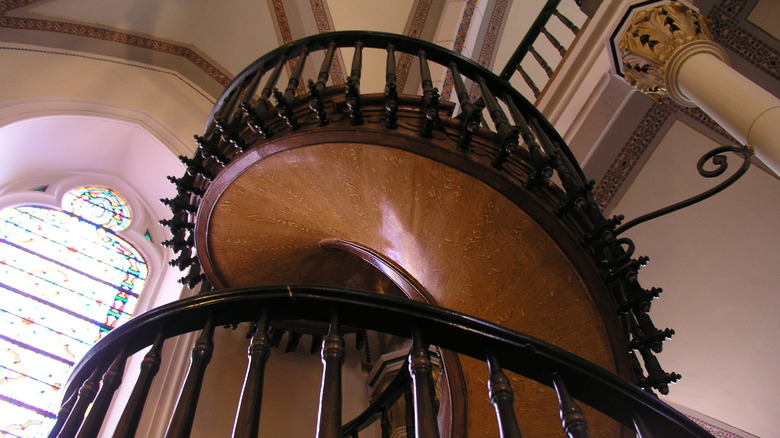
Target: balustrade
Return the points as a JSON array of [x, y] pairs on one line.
[[568, 376]]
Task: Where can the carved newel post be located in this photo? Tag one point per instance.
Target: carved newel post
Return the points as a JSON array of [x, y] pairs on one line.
[[667, 52]]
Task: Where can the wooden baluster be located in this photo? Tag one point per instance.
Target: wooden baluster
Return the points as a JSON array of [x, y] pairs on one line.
[[508, 135], [353, 86], [566, 22], [86, 395], [248, 419], [501, 396], [329, 417], [409, 404], [542, 165], [391, 90], [471, 112], [111, 381], [528, 81], [316, 89], [285, 100], [385, 424], [63, 414], [541, 61], [572, 419], [128, 422], [254, 115], [184, 413], [295, 78], [423, 392], [554, 41], [430, 99], [641, 429]]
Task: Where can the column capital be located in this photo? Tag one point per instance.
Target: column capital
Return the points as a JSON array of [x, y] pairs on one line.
[[652, 41]]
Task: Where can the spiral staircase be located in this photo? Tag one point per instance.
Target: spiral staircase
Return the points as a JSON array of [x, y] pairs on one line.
[[468, 226]]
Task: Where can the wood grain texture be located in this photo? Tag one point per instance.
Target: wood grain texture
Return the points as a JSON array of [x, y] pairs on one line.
[[472, 239]]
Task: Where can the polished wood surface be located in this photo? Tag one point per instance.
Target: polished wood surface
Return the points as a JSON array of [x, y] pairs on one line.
[[466, 234]]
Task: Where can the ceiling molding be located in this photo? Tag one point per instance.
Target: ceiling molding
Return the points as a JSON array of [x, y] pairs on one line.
[[105, 34]]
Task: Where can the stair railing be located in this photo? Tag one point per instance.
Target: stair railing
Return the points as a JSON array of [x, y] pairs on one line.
[[93, 381]]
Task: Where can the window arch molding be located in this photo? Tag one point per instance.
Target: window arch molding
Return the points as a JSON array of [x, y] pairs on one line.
[[27, 193]]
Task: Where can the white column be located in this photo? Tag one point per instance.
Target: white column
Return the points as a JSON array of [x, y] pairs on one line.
[[667, 50], [697, 74]]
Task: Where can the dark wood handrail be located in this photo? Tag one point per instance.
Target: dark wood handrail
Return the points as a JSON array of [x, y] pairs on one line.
[[517, 352], [400, 43]]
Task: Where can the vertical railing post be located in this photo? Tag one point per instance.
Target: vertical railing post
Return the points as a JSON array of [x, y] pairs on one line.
[[353, 86], [316, 89], [86, 395], [329, 417], [420, 369], [247, 421], [111, 381], [391, 89], [572, 418], [641, 429], [471, 112], [430, 99], [285, 100], [63, 414], [254, 115], [508, 135], [128, 422], [502, 398], [184, 413]]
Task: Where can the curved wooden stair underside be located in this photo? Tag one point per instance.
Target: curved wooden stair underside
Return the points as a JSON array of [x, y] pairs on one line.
[[298, 207]]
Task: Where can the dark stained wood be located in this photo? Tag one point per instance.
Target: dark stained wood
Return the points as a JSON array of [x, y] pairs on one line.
[[329, 418], [573, 420], [420, 368], [128, 422], [248, 418], [279, 200], [63, 414], [502, 398], [184, 413], [86, 395], [111, 381]]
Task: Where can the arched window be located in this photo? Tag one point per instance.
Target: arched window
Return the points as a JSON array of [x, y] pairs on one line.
[[67, 277]]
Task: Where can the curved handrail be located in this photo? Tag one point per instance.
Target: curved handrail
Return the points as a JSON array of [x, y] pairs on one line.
[[405, 44], [445, 328]]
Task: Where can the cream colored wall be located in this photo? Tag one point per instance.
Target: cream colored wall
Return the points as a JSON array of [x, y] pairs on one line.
[[717, 264]]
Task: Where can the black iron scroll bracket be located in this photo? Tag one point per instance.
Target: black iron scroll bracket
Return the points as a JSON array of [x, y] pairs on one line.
[[719, 160]]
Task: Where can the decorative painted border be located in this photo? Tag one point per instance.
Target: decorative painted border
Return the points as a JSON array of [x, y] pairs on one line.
[[646, 136], [718, 432], [460, 41], [729, 33], [106, 35]]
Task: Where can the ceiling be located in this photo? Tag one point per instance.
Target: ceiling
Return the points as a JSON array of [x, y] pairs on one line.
[[716, 261]]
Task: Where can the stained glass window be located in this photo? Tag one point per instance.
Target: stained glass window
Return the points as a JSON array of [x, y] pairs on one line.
[[66, 279]]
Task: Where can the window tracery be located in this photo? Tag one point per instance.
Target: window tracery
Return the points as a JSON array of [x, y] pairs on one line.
[[66, 278]]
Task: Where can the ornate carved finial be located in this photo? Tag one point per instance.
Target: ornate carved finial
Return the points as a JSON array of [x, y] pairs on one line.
[[653, 36]]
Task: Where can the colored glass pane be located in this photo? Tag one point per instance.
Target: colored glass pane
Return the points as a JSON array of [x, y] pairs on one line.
[[66, 279], [98, 205], [16, 421]]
